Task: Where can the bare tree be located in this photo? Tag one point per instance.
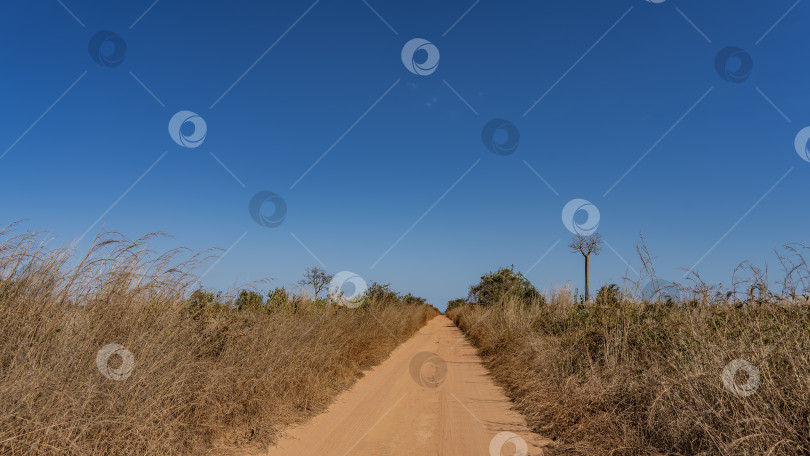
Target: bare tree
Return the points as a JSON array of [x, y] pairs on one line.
[[587, 245], [316, 278]]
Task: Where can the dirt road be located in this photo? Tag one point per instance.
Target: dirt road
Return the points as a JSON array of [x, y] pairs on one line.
[[432, 396]]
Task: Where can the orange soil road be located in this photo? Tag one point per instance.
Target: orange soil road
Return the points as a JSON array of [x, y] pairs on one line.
[[388, 412]]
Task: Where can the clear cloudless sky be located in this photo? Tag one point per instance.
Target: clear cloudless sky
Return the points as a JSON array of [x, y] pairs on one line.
[[609, 98]]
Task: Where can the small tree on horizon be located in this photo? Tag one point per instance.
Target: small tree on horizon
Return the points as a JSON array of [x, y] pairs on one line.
[[316, 278], [587, 245]]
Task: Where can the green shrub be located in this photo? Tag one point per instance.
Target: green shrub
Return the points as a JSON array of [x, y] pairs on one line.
[[278, 298], [201, 300], [380, 294], [608, 295], [456, 303], [496, 286], [249, 300], [412, 300]]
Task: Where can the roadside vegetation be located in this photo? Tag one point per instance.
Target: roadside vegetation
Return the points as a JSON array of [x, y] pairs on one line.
[[653, 367], [120, 352]]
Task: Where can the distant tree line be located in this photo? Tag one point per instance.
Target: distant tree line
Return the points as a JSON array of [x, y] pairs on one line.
[[315, 279]]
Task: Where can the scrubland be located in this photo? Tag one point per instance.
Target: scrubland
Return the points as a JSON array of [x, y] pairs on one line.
[[698, 371], [189, 371]]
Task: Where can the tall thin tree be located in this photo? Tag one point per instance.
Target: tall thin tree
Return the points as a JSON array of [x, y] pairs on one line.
[[587, 245]]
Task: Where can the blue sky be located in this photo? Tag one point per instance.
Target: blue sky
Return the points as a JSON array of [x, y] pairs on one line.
[[591, 87]]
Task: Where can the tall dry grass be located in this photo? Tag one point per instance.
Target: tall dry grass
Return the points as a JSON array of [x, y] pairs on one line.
[[633, 378], [202, 375]]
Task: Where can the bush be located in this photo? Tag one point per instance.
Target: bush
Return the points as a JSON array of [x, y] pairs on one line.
[[200, 300], [380, 293], [456, 303], [505, 283], [608, 295], [278, 299], [249, 300], [412, 300]]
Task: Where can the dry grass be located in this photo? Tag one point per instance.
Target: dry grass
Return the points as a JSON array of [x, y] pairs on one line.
[[200, 377], [629, 378]]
